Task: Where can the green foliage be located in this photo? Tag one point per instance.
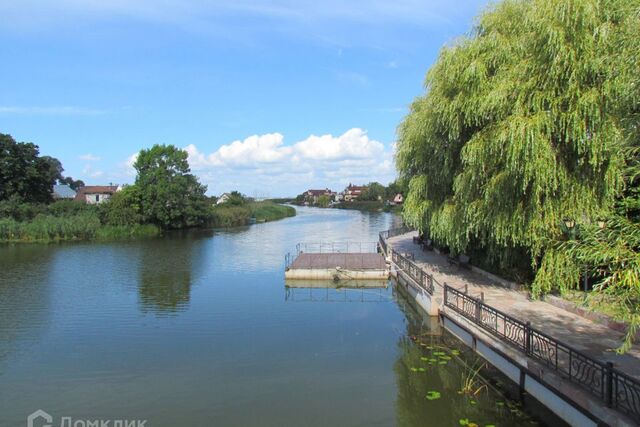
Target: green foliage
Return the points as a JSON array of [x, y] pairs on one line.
[[46, 228], [123, 208], [170, 196], [373, 191], [531, 119], [268, 211], [18, 210], [518, 127], [224, 215], [236, 198], [323, 201], [70, 208], [24, 175], [74, 184]]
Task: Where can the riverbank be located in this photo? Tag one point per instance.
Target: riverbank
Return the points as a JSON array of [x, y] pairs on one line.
[[484, 309], [224, 216], [364, 206], [85, 223], [50, 228]]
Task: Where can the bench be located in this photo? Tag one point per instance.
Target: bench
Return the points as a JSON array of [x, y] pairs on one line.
[[427, 245], [460, 260], [418, 239]]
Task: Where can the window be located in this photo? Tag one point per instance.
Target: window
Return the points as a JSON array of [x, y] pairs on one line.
[[97, 198]]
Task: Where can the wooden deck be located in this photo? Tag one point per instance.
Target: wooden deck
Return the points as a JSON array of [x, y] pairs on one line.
[[345, 261]]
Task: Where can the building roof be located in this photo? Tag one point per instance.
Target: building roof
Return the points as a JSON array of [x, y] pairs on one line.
[[63, 191], [95, 189], [326, 191], [356, 188]]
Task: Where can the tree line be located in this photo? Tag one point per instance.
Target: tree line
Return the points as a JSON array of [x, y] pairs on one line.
[[165, 195], [524, 148]]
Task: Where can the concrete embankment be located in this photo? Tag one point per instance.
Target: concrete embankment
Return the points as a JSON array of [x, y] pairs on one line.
[[560, 359]]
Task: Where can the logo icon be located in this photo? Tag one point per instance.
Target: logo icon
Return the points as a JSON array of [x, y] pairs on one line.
[[39, 414]]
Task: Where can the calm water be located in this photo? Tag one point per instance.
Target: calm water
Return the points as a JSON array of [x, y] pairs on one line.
[[198, 329]]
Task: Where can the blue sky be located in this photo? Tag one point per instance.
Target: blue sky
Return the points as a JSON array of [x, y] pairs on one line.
[[270, 98]]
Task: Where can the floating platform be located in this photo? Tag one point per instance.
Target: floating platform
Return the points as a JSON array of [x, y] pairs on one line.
[[338, 266]]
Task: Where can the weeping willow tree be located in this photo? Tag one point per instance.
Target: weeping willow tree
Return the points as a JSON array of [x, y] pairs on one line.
[[526, 122]]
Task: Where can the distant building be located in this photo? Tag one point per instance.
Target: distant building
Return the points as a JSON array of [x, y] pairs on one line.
[[224, 197], [314, 195], [398, 199], [96, 194], [63, 192], [352, 192]]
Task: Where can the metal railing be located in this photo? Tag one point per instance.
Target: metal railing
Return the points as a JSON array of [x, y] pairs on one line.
[[418, 275], [336, 247], [614, 387], [384, 235]]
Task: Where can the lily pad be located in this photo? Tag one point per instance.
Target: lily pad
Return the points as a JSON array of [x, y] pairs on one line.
[[432, 395]]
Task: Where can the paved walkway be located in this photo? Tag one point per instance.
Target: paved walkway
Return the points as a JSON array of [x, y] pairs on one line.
[[589, 337]]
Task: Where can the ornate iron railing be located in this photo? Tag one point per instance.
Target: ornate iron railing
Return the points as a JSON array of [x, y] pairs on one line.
[[617, 389], [418, 275]]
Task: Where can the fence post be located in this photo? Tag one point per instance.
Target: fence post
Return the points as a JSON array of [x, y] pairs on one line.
[[527, 338], [466, 289], [446, 293], [609, 382]]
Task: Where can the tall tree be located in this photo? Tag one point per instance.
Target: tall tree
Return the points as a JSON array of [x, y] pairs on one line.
[[525, 123], [24, 175], [170, 196]]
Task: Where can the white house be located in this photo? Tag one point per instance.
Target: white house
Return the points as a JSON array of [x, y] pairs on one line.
[[224, 197], [96, 194]]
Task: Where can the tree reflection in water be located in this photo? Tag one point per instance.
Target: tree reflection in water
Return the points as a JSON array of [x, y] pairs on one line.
[[165, 287]]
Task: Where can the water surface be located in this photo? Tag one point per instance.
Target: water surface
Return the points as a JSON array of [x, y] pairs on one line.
[[198, 328]]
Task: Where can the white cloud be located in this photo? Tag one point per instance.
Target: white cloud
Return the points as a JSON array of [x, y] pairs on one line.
[[353, 144], [89, 157], [264, 161]]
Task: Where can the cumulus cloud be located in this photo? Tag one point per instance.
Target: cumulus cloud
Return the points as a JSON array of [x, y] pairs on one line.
[[265, 160], [265, 165]]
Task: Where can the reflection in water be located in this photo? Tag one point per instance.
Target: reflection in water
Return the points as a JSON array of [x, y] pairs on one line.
[[221, 345], [330, 291], [166, 273], [24, 285], [438, 379]]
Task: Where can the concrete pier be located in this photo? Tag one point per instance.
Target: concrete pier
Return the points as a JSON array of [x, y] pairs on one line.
[[338, 266]]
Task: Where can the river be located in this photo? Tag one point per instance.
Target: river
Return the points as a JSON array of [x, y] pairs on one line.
[[197, 328]]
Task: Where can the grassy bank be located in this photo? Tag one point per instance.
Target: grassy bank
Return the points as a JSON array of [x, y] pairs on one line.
[[85, 226], [225, 215], [369, 206]]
